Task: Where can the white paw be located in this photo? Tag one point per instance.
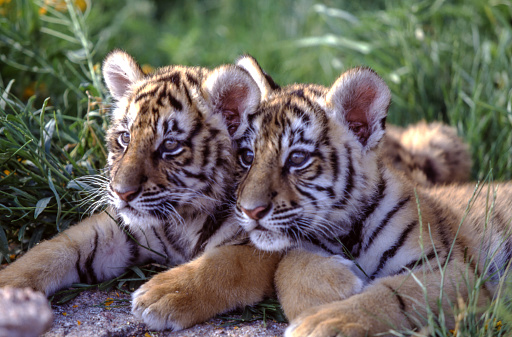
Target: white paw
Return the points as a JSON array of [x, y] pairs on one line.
[[289, 330]]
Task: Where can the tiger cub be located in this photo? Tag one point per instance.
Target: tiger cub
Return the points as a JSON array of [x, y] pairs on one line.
[[170, 182], [206, 281], [314, 178]]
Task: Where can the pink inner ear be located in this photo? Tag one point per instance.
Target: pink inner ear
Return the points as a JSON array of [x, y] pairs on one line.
[[232, 103], [356, 108]]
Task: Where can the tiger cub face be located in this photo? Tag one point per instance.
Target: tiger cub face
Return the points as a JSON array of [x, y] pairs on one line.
[[169, 141], [307, 156]]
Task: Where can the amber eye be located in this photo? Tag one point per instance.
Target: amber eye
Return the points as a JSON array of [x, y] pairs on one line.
[[298, 158], [170, 147], [246, 157], [124, 138]]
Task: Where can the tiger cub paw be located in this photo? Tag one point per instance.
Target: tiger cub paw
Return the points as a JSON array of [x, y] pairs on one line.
[[299, 286], [168, 301], [333, 319]]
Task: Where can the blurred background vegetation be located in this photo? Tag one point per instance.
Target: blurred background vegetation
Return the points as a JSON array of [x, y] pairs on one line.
[[443, 60]]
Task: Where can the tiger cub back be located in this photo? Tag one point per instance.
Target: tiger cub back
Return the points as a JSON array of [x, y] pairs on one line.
[[313, 177]]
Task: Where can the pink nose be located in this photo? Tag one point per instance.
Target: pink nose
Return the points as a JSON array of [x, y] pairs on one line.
[[128, 195], [257, 213]]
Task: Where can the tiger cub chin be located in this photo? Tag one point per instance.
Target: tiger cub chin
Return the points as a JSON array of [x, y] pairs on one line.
[[314, 178], [170, 182]]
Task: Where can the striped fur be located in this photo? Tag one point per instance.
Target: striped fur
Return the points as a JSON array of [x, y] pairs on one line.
[[427, 153], [315, 181], [171, 183]]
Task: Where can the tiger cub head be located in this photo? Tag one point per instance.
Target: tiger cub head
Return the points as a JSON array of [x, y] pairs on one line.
[[170, 138], [309, 157]]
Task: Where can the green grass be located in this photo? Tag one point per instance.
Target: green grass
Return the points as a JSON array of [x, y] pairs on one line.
[[443, 60]]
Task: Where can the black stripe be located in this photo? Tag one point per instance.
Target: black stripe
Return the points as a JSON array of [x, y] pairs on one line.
[[208, 143], [175, 180], [349, 178], [391, 252], [401, 304], [192, 79], [175, 127], [307, 195], [335, 166], [354, 239], [187, 94], [164, 246], [176, 241], [198, 126], [399, 298], [445, 238], [81, 275], [145, 94], [87, 275], [174, 102], [317, 242], [199, 176], [174, 77], [318, 173], [212, 224], [244, 242], [386, 221], [418, 262]]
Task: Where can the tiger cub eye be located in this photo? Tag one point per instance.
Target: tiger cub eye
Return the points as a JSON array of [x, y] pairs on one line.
[[171, 145], [124, 138], [298, 158], [246, 157]]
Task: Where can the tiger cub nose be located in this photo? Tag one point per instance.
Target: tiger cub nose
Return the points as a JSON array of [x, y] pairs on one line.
[[258, 212], [128, 195]]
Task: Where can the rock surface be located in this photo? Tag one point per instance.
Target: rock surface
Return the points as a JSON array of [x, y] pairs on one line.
[[107, 314]]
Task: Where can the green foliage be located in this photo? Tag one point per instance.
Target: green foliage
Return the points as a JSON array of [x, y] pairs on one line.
[[443, 60]]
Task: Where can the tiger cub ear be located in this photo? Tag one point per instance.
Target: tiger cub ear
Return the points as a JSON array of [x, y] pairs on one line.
[[231, 91], [120, 72], [361, 99], [262, 79]]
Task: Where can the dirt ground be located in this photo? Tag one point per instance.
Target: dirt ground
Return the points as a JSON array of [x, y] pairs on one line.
[[107, 314]]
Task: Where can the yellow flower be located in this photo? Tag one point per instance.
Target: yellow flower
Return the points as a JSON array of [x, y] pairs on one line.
[[60, 5], [4, 2], [109, 301], [81, 5], [64, 314]]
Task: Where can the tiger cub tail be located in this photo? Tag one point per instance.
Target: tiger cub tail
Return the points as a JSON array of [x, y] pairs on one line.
[[428, 153]]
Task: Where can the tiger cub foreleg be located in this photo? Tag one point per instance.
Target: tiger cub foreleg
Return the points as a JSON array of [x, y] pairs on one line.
[[94, 250], [395, 302], [221, 279], [304, 280]]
